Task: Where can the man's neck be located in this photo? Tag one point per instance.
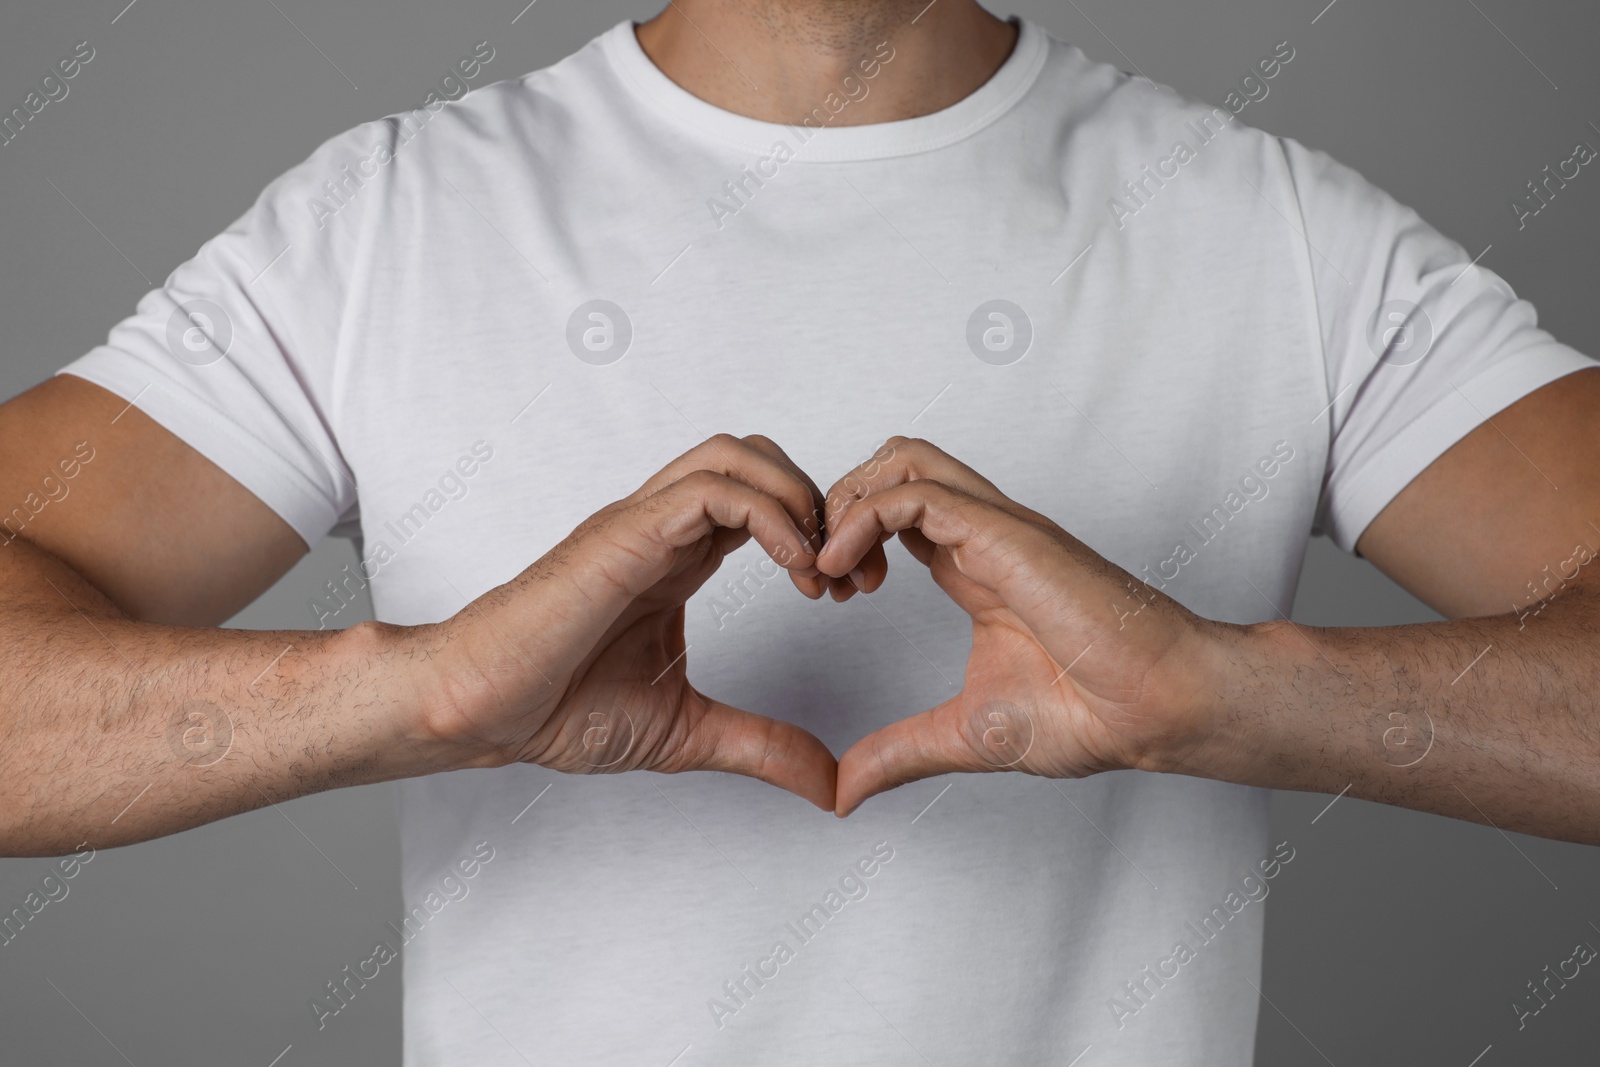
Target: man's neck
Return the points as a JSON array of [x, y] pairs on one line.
[[778, 60]]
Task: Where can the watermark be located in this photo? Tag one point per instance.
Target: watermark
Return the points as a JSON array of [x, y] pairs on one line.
[[1136, 194], [608, 737], [1400, 333], [1140, 192], [740, 190], [53, 88], [739, 591], [1253, 487], [852, 886], [999, 332], [1541, 992], [1553, 584], [452, 485], [1006, 733], [1137, 594], [53, 488], [452, 887], [52, 889], [855, 89], [1407, 737], [199, 332], [1138, 992], [599, 332], [200, 734], [853, 486], [341, 192], [1253, 87], [1554, 178]]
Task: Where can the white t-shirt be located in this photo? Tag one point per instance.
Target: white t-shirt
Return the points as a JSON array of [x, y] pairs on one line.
[[1172, 351]]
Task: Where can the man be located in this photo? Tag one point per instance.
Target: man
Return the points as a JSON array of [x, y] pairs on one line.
[[470, 333]]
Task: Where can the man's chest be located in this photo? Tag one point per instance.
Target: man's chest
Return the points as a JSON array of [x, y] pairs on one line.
[[1120, 393]]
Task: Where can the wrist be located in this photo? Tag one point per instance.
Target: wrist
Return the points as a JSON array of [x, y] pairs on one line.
[[1210, 732], [422, 693]]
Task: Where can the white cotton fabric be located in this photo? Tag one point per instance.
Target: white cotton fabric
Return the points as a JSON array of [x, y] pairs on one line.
[[1198, 394]]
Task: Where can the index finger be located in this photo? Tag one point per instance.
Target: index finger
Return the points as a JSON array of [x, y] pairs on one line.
[[975, 531], [909, 459], [755, 461]]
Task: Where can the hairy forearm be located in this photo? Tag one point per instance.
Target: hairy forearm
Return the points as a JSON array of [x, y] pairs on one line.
[[118, 731], [1492, 719]]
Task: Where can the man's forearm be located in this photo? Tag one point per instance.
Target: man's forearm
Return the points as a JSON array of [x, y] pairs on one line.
[[118, 731], [1492, 719]]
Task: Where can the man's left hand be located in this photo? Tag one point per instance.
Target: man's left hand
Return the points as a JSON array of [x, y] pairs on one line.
[[1076, 666]]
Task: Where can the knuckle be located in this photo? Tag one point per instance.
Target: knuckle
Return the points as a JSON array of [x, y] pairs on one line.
[[886, 452], [913, 445], [841, 497], [701, 481]]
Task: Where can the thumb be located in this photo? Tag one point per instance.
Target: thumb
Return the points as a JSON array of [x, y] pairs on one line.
[[726, 738], [956, 736]]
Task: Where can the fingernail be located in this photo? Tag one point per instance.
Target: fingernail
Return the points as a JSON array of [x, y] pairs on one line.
[[859, 577]]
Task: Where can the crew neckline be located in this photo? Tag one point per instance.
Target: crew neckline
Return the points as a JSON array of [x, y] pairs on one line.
[[831, 144]]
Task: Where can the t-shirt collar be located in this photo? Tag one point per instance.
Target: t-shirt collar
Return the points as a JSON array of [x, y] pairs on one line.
[[830, 143]]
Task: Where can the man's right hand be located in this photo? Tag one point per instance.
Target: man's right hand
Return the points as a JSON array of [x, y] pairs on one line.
[[579, 663], [129, 714]]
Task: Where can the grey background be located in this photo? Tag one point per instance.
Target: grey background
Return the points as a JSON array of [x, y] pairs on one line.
[[1395, 937]]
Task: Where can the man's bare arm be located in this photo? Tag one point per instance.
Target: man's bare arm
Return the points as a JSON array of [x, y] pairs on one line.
[[160, 529], [119, 730], [121, 724], [1078, 668], [127, 716], [1501, 533], [1483, 719]]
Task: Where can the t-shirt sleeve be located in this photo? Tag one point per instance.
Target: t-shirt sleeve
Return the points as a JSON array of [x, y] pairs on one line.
[[237, 353], [1420, 345]]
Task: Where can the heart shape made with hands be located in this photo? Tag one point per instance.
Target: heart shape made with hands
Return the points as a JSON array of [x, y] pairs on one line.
[[1042, 604], [1057, 682]]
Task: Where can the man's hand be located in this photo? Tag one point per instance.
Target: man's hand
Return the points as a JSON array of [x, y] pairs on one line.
[[128, 716], [1076, 666], [578, 664]]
